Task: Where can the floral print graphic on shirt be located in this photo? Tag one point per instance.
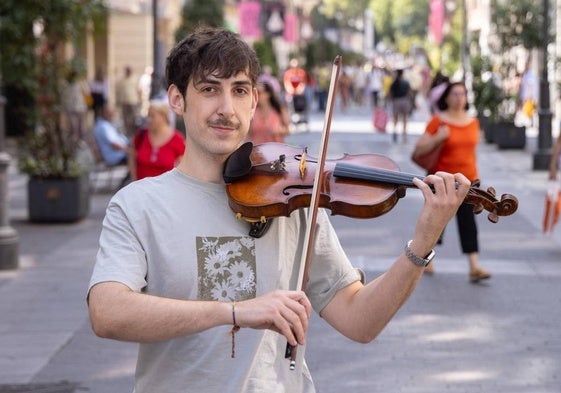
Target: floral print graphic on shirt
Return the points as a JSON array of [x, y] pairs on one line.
[[226, 268]]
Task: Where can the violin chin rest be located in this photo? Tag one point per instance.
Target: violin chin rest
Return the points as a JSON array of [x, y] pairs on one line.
[[238, 164]]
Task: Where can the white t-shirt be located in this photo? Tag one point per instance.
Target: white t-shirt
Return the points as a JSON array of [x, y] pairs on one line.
[[175, 236]]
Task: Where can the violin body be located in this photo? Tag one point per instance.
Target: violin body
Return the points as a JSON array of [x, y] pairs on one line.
[[274, 179], [271, 191]]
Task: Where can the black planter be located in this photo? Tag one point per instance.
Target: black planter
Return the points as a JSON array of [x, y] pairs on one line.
[[486, 126], [507, 135], [58, 200]]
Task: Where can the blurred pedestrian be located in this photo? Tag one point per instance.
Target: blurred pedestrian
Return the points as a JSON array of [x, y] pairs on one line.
[[128, 99], [99, 89], [145, 86], [157, 148], [400, 95], [360, 83], [460, 135], [268, 77], [345, 89], [323, 74], [270, 121], [112, 144], [437, 87], [376, 84], [555, 162], [74, 97]]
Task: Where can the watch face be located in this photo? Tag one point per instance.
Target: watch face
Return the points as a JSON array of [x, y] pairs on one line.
[[430, 257]]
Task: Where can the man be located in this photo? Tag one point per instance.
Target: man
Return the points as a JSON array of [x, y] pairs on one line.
[[112, 144], [178, 273]]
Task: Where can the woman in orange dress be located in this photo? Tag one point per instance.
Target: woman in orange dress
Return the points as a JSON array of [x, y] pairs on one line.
[[460, 133]]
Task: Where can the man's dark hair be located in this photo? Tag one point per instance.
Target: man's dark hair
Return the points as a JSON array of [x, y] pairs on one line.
[[210, 51]]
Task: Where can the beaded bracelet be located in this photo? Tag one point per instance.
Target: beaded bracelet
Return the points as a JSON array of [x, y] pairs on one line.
[[235, 328]]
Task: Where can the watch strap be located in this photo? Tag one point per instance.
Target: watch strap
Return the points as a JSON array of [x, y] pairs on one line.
[[415, 259]]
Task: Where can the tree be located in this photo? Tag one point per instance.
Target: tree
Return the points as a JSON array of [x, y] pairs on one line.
[[34, 64], [197, 13], [62, 20], [517, 22]]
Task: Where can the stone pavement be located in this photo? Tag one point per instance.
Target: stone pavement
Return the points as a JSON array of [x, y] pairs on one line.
[[451, 336]]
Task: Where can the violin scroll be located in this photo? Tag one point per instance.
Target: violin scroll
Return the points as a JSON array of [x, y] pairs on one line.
[[486, 200]]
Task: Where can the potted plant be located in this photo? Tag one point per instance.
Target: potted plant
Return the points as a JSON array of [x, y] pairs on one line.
[[506, 133], [488, 95], [58, 187], [516, 24]]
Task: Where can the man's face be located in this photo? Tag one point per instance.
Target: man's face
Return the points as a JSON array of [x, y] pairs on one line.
[[218, 113]]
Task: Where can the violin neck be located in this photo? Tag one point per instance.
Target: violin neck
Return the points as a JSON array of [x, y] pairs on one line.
[[379, 175]]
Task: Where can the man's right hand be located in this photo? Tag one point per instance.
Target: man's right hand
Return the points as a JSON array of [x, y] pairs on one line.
[[285, 312]]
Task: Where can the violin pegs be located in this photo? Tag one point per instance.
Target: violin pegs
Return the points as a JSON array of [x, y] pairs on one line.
[[476, 183], [478, 208], [493, 217], [492, 191]]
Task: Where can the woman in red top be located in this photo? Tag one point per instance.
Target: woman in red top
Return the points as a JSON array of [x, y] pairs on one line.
[[460, 133], [159, 147]]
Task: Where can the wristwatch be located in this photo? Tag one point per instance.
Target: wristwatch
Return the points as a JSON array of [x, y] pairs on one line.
[[417, 260]]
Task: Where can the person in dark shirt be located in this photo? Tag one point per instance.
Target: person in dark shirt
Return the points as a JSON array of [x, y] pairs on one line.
[[401, 103]]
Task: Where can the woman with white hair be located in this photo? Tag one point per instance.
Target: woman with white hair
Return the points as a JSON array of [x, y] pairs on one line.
[[157, 148]]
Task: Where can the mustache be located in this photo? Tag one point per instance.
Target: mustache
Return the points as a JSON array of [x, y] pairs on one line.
[[224, 123]]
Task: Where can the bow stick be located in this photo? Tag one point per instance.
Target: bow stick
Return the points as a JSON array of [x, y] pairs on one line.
[[308, 245]]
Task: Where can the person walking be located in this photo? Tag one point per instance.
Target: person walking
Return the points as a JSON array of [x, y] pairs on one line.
[[438, 84], [459, 132], [75, 106], [99, 89], [375, 84], [400, 95], [128, 100], [555, 161], [212, 307], [270, 121]]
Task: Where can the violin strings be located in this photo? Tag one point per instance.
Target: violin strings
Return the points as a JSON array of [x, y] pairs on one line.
[[353, 171]]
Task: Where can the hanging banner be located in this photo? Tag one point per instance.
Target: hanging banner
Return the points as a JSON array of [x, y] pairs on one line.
[[250, 12], [291, 28], [436, 21]]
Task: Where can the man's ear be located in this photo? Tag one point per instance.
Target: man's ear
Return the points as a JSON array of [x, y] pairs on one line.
[[176, 100], [254, 101]]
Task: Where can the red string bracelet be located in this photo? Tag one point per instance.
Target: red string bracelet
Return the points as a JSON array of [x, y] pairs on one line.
[[235, 328]]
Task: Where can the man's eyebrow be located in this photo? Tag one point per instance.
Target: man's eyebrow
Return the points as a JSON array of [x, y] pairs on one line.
[[246, 82]]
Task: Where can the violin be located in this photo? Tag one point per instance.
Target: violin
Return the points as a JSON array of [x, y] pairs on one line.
[[274, 179]]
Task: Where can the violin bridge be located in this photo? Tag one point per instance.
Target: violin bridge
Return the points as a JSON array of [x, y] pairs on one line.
[[279, 164], [302, 166]]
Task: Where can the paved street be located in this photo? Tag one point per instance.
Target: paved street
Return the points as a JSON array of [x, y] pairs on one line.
[[502, 336]]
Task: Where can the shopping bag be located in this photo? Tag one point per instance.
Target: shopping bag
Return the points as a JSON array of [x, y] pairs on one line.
[[380, 119], [528, 107], [428, 160], [552, 206]]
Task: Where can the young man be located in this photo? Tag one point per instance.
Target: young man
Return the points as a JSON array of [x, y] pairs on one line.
[[176, 269]]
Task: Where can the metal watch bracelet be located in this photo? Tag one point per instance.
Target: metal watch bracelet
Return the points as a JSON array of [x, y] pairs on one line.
[[417, 260]]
